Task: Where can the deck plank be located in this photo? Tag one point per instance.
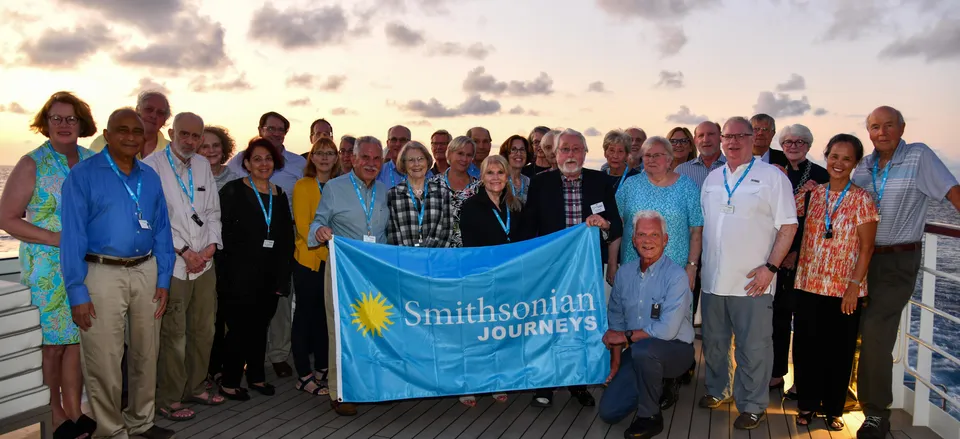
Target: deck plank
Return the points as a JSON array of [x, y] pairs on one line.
[[380, 423], [480, 425], [358, 422], [578, 429], [402, 422], [465, 420], [546, 416], [424, 420], [443, 421], [506, 418], [560, 425]]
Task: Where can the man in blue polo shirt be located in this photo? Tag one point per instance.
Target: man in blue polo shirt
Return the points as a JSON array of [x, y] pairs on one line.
[[117, 258]]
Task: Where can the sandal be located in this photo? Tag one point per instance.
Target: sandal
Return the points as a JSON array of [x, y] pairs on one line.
[[178, 415], [317, 390], [500, 397], [238, 394], [265, 389], [69, 430], [835, 423], [86, 424], [211, 399], [468, 401], [806, 419]]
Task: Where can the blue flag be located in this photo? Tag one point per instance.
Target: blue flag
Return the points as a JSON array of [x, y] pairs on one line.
[[419, 322]]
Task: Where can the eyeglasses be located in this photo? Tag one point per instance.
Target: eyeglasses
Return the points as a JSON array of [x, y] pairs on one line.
[[762, 130], [792, 143], [683, 141], [735, 137], [517, 150], [58, 120], [415, 160], [275, 130], [398, 139], [567, 150], [656, 156], [346, 151], [325, 154]]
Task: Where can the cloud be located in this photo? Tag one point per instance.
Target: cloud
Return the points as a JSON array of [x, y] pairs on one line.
[[342, 111], [672, 39], [684, 116], [942, 42], [203, 50], [63, 48], [148, 84], [419, 123], [473, 106], [296, 28], [302, 102], [670, 79], [14, 108], [592, 132], [477, 51], [597, 87], [820, 112], [200, 85], [141, 14], [516, 110], [795, 83], [478, 81], [853, 19], [400, 35], [781, 105], [310, 81]]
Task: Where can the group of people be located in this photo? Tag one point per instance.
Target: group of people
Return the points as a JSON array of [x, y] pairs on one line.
[[180, 259]]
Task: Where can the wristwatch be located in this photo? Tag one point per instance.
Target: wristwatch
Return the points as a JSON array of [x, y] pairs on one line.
[[772, 268], [629, 335], [183, 250]]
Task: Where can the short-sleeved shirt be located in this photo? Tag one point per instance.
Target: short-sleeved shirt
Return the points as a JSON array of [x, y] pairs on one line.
[[916, 177], [826, 265], [736, 243], [697, 171], [679, 204]]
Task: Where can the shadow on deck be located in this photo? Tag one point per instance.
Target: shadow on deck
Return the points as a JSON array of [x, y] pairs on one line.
[[293, 414]]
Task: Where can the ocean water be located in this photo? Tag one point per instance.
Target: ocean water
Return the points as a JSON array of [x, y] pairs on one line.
[[948, 299]]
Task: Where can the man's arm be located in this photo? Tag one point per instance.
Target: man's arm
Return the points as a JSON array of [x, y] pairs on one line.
[[322, 217], [616, 321], [954, 196], [73, 238], [163, 241]]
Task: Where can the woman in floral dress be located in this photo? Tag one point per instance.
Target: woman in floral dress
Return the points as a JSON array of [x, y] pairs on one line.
[[456, 182], [34, 187]]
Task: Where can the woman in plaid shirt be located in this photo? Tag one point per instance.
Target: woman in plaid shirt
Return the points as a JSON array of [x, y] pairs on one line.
[[420, 210]]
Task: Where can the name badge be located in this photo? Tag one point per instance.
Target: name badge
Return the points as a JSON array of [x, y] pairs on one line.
[[196, 219], [267, 243], [727, 208], [655, 311], [144, 224], [369, 238], [597, 208]]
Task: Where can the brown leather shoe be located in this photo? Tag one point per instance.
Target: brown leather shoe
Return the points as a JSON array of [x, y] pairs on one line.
[[282, 369], [344, 408], [157, 433]]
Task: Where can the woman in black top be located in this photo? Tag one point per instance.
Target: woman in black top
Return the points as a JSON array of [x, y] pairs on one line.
[[256, 264], [795, 141], [485, 222]]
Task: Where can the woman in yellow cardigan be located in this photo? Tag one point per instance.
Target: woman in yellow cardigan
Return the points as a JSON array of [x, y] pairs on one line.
[[309, 319]]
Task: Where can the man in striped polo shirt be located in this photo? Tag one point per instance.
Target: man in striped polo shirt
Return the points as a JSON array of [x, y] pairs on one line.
[[903, 179]]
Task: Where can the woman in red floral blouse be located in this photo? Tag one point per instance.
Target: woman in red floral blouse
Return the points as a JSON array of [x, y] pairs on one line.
[[841, 224]]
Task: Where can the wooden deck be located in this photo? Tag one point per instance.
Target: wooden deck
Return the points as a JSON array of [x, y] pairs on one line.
[[292, 414]]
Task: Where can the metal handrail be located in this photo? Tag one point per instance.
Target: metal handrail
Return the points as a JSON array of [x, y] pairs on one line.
[[934, 348], [936, 311], [936, 389], [939, 273]]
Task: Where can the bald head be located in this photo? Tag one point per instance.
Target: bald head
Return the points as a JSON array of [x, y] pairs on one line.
[[397, 136], [885, 126], [480, 136]]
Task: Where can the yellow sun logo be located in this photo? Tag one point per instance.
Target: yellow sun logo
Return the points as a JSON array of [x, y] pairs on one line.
[[371, 314]]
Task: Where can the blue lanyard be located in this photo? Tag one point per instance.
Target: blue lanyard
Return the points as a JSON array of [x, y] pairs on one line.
[[320, 186], [514, 188], [727, 186], [56, 159], [134, 197], [505, 227], [393, 175], [366, 211], [180, 180], [883, 182], [836, 206], [423, 204], [267, 215]]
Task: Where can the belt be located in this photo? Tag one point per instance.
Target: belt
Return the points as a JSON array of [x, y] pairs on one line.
[[897, 248], [120, 262]]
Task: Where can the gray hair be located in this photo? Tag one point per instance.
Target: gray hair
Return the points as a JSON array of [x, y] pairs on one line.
[[413, 144], [571, 132], [537, 130], [552, 134], [147, 94], [866, 120], [650, 214], [179, 116], [459, 142], [617, 137], [741, 120], [366, 139], [655, 140], [763, 117], [796, 130], [638, 129]]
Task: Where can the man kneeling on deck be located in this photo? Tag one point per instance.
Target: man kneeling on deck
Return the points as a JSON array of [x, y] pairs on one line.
[[649, 316]]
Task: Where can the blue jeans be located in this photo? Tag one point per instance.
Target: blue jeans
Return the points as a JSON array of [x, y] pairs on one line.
[[639, 381]]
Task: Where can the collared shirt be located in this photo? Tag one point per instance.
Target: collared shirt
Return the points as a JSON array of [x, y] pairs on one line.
[[635, 293], [736, 243], [405, 228], [100, 142], [391, 176], [100, 217], [341, 211], [697, 171], [206, 201], [286, 177], [473, 171], [573, 199], [766, 156], [916, 177]]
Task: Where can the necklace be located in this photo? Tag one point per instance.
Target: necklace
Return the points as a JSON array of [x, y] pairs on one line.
[[803, 178]]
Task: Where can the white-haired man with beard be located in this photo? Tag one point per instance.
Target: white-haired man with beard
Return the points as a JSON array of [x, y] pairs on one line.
[[187, 328], [566, 197]]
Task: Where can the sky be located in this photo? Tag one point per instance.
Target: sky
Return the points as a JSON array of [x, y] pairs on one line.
[[507, 65]]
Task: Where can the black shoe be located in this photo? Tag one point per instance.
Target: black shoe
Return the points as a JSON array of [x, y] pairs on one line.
[[87, 425], [643, 428], [67, 430], [282, 369], [239, 394], [585, 398], [266, 389], [670, 394], [749, 421], [712, 402], [874, 427], [542, 398], [687, 376], [158, 433]]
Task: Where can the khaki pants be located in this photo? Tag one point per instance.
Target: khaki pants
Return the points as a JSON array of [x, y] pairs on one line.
[[281, 327], [120, 295], [186, 336], [331, 332]]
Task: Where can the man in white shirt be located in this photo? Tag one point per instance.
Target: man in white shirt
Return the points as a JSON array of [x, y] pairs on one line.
[[186, 332], [750, 218]]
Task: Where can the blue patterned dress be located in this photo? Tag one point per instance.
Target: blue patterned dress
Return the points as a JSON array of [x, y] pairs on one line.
[[679, 204], [40, 264]]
